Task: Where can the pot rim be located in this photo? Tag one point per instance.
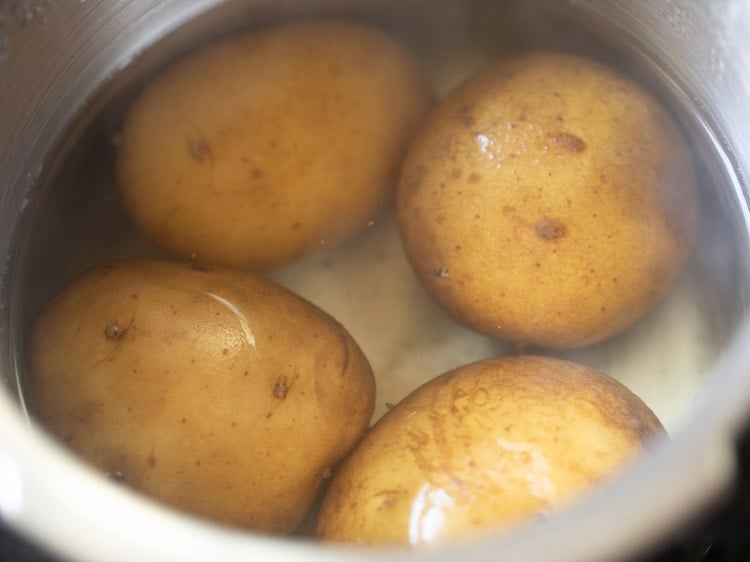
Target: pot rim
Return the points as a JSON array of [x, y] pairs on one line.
[[686, 473]]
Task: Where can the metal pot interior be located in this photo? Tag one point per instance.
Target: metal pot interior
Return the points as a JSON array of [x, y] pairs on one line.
[[61, 212]]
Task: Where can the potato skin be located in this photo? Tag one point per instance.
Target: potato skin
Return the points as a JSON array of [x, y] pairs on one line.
[[217, 392], [548, 200], [484, 446], [266, 146]]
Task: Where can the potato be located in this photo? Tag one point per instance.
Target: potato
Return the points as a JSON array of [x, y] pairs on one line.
[[214, 391], [485, 446], [548, 200], [266, 146]]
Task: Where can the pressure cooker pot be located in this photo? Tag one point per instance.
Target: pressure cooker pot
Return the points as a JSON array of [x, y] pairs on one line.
[[71, 71]]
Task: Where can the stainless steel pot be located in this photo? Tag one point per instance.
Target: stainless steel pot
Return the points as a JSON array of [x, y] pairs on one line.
[[62, 62]]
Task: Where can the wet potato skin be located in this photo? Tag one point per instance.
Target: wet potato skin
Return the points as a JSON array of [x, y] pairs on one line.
[[268, 145], [548, 200], [215, 391], [482, 447]]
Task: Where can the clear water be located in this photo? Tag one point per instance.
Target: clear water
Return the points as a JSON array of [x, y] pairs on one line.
[[366, 283]]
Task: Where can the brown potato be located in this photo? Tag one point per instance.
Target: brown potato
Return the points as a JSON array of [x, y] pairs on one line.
[[548, 200], [268, 145], [484, 446], [214, 391]]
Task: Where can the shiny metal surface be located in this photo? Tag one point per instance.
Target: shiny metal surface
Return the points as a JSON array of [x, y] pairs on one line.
[[55, 58]]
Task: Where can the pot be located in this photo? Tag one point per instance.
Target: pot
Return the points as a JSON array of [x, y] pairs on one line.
[[66, 68]]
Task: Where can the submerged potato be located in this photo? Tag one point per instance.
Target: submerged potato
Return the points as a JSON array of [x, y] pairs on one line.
[[548, 200], [482, 447], [214, 391], [265, 146]]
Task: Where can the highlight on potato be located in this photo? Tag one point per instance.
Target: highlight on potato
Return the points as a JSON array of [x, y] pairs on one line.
[[266, 146], [483, 447], [212, 390], [548, 200]]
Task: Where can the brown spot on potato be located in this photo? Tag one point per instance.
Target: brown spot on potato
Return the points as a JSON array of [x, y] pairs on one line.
[[456, 173], [474, 178], [198, 149], [566, 141], [280, 387], [113, 331], [548, 228], [441, 272]]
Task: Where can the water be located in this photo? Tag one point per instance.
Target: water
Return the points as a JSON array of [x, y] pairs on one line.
[[367, 284]]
